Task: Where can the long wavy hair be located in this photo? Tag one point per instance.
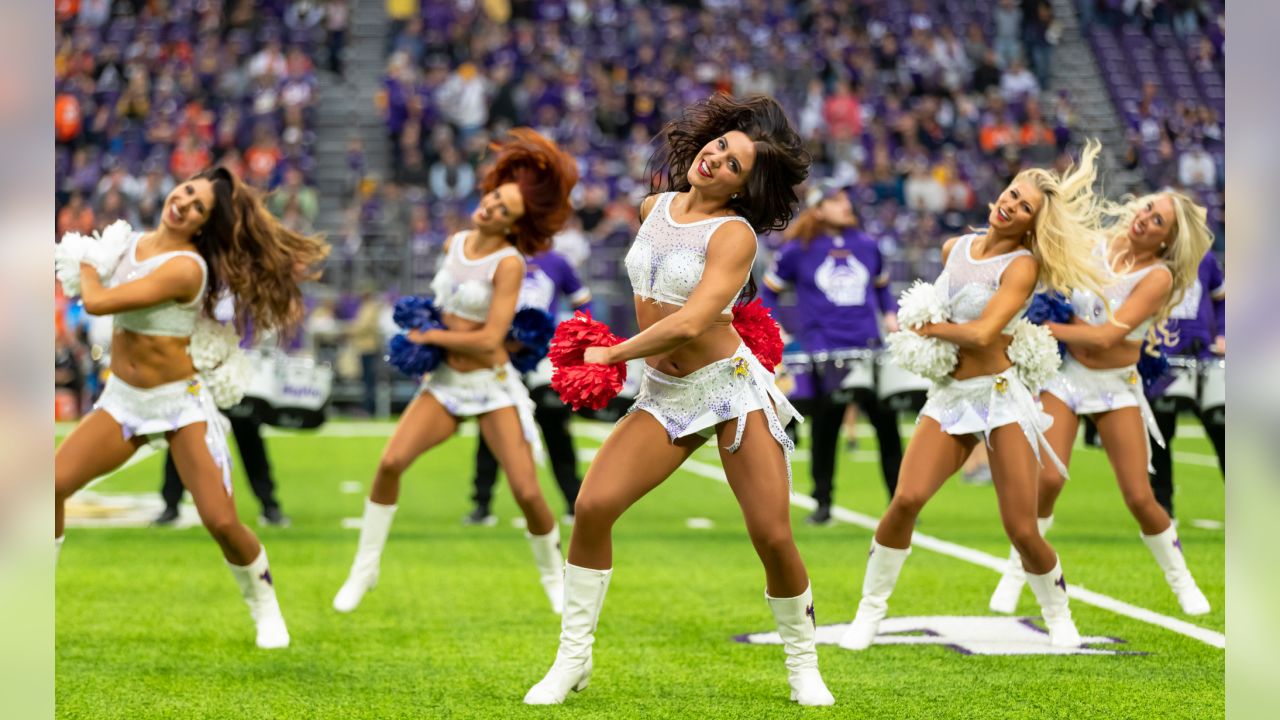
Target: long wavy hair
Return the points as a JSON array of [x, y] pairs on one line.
[[545, 175], [768, 200], [252, 255], [1189, 240], [1067, 230]]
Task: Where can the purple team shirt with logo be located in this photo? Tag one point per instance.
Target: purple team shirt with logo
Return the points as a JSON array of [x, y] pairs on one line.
[[1201, 316], [548, 277], [841, 287]]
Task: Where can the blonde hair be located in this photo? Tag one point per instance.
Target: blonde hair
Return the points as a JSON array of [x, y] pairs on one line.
[[1068, 228], [1190, 239]]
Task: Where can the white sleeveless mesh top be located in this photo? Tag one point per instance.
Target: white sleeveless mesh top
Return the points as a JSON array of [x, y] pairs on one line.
[[1090, 308], [464, 287], [970, 283], [169, 318], [667, 258]]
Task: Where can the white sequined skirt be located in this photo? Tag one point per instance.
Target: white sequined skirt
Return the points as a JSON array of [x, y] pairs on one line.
[[724, 390], [978, 405], [1088, 392], [476, 392], [153, 412]]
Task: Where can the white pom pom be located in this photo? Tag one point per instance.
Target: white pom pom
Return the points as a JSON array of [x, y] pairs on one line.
[[211, 343], [930, 358], [1035, 353], [111, 245], [67, 256], [922, 303], [228, 381]]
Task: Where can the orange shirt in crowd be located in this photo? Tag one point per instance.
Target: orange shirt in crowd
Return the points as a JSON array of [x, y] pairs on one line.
[[66, 118], [71, 220]]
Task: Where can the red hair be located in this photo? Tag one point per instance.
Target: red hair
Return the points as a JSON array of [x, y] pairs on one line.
[[545, 174]]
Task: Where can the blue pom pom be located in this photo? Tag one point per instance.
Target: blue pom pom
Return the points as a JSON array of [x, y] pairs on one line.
[[532, 328], [416, 312], [411, 358], [527, 359], [1152, 368], [1049, 307]]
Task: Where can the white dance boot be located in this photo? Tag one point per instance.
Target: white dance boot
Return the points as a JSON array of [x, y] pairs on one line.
[[546, 554], [798, 626], [584, 591], [364, 570], [259, 592], [1051, 592], [1167, 549], [883, 566], [1009, 589]]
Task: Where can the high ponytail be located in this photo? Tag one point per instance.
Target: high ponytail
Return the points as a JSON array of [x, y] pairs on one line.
[[253, 256]]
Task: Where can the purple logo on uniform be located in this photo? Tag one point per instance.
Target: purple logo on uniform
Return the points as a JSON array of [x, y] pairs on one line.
[[813, 617], [1177, 542], [266, 577], [1061, 582]]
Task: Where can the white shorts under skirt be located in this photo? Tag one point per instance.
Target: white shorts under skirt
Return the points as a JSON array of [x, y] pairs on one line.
[[1089, 392], [154, 412], [721, 391], [476, 392], [978, 405]]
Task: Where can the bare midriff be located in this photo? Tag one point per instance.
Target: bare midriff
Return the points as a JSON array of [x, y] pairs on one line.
[[465, 361], [715, 343], [1122, 355], [976, 362], [146, 361]]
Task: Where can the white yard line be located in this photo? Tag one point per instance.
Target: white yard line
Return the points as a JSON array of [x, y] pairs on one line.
[[967, 554]]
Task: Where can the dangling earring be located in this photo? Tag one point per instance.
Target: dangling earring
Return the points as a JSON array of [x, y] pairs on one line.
[[733, 196]]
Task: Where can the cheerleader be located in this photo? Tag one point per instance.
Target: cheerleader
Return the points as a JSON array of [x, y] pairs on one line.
[[842, 296], [1198, 330], [1039, 232], [525, 202], [548, 278], [1151, 261], [730, 167], [215, 235]]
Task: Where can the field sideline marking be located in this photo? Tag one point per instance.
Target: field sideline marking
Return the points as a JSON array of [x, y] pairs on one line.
[[970, 555]]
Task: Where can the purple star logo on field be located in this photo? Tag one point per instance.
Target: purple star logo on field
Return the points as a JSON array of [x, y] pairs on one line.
[[1061, 582], [813, 617], [1177, 542], [266, 577]]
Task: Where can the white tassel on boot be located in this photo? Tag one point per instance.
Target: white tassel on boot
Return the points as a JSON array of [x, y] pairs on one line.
[[546, 554], [1051, 592], [1167, 549], [883, 566], [1009, 589], [798, 627], [57, 549], [259, 592], [364, 569], [584, 591]]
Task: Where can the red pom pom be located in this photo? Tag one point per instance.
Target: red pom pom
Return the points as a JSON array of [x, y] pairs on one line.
[[760, 332], [577, 384]]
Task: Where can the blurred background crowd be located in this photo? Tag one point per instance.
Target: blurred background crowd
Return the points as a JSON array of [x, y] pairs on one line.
[[370, 121]]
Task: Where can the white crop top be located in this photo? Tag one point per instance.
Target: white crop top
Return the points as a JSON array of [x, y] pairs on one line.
[[667, 258], [169, 318], [1089, 307], [970, 284], [464, 287]]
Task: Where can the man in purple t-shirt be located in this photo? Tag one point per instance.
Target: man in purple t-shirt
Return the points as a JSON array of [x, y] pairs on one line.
[[1198, 325], [548, 278], [842, 295]]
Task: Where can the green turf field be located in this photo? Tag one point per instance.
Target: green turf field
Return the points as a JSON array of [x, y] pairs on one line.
[[150, 624]]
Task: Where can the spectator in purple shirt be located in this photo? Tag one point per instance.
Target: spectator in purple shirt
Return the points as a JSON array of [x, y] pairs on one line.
[[549, 278], [841, 289], [1199, 330]]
